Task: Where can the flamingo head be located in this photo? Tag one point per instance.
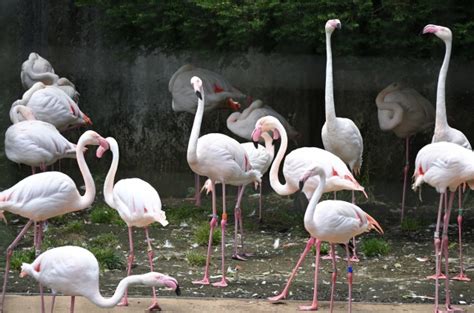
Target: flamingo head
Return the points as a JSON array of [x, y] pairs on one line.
[[26, 269], [331, 25], [155, 279], [196, 82], [441, 32], [317, 169], [266, 124], [91, 137], [111, 144]]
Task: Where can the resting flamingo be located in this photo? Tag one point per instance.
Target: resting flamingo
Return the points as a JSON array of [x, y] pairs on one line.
[[443, 165], [333, 221], [138, 204], [444, 132], [243, 123], [35, 143], [74, 271], [45, 195], [222, 159], [52, 105], [405, 112]]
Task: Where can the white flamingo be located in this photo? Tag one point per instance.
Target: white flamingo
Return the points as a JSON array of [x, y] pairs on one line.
[[222, 159], [137, 203], [74, 271]]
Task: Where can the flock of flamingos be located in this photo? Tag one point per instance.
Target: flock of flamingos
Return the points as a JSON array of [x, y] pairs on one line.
[[49, 106]]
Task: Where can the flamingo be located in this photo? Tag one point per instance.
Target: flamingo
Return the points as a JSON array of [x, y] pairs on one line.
[[260, 159], [74, 271], [443, 165], [405, 112], [333, 221], [52, 105], [222, 159], [45, 195], [442, 131], [38, 69], [137, 203], [35, 143], [242, 124]]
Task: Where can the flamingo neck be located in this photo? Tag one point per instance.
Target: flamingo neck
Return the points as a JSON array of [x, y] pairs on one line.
[[329, 91], [24, 111], [441, 117], [88, 197], [193, 138], [109, 179], [102, 302], [279, 188], [269, 147], [311, 208], [27, 95]]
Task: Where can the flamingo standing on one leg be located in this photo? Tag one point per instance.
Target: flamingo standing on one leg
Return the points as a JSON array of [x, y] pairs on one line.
[[138, 204], [340, 135], [222, 159], [405, 112], [74, 271], [45, 195], [334, 221], [443, 165], [444, 132]]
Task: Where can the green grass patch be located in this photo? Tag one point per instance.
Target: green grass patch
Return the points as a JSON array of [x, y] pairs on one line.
[[21, 256], [103, 214], [374, 247], [411, 224], [201, 234], [195, 258], [73, 227], [108, 258], [175, 215], [108, 240]]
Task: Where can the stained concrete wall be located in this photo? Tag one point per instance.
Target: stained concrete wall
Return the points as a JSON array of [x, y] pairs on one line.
[[127, 96]]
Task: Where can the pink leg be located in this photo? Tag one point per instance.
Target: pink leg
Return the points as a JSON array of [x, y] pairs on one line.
[[314, 304], [284, 293], [212, 223], [39, 239], [236, 227], [405, 175], [73, 300], [354, 257], [461, 276], [53, 300], [154, 304], [131, 257], [197, 189], [239, 201], [349, 277], [9, 255], [437, 245], [223, 282], [333, 277], [260, 204], [239, 224]]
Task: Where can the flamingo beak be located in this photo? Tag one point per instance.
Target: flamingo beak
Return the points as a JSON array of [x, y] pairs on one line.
[[177, 290], [23, 274], [430, 29], [86, 119], [104, 144], [234, 105], [256, 136]]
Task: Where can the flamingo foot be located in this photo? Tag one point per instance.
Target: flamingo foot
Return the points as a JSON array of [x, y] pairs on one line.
[[355, 259], [441, 276], [279, 298], [461, 277], [312, 307], [204, 281], [239, 257], [154, 307], [451, 309], [124, 302], [221, 284]]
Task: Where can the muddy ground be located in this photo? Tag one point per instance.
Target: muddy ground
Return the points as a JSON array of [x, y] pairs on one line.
[[398, 277]]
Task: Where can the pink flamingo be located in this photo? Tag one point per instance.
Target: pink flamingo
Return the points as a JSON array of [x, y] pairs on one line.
[[443, 165], [334, 221], [45, 195], [74, 271], [405, 112], [222, 159], [444, 132], [138, 204]]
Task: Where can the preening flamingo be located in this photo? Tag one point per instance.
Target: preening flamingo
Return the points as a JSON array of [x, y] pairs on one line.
[[52, 105], [443, 165], [222, 159], [243, 123], [74, 271], [444, 132], [35, 143], [45, 195], [138, 204], [333, 221], [405, 112]]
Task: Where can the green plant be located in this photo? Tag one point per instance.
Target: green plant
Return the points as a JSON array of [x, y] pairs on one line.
[[73, 227], [108, 258], [410, 224], [22, 256], [201, 234], [195, 259], [374, 247], [108, 240], [102, 214]]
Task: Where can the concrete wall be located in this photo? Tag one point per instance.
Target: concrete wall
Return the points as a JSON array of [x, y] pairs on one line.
[[127, 96]]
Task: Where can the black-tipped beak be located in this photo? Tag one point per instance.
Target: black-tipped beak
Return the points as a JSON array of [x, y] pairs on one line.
[[177, 290], [198, 94], [301, 184], [255, 144], [338, 25]]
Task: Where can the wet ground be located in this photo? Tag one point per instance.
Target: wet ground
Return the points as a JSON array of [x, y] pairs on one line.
[[398, 277]]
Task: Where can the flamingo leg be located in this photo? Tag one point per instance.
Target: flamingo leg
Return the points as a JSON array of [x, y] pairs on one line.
[[53, 300], [9, 255], [437, 243], [154, 304], [39, 239], [223, 282], [131, 257], [197, 188], [73, 300], [284, 293], [333, 277], [314, 304], [405, 176], [239, 224], [260, 203], [212, 224], [354, 257], [349, 277], [236, 226], [461, 276]]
